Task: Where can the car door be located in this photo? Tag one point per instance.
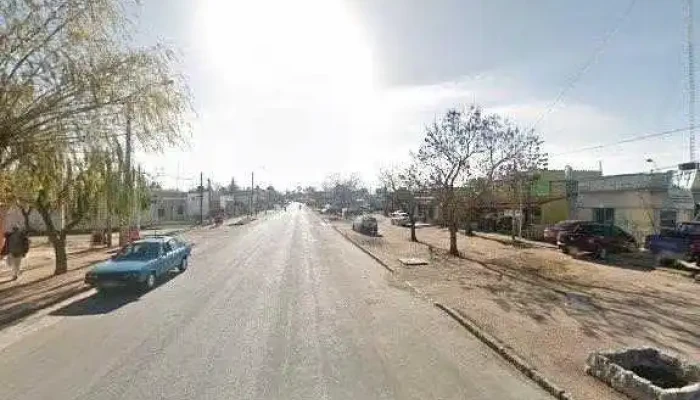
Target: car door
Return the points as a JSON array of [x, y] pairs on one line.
[[177, 253], [620, 240], [575, 237], [166, 262]]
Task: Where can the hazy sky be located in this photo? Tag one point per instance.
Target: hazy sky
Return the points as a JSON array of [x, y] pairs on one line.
[[299, 89]]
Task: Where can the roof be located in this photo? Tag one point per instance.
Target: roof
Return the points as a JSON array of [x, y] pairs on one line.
[[155, 238]]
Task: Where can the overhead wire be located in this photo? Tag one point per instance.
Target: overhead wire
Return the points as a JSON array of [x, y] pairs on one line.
[[586, 65], [623, 141]]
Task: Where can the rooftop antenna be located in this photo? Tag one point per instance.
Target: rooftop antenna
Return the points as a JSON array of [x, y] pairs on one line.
[[691, 78]]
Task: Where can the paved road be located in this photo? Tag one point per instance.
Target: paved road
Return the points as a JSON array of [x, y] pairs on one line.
[[282, 308]]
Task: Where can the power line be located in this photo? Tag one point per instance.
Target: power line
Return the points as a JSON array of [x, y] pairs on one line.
[[623, 141], [586, 66]]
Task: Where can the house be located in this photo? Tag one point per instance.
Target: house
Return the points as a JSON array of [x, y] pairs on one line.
[[641, 203], [167, 206]]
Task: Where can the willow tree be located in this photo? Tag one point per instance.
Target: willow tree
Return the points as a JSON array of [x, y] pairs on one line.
[[71, 84], [68, 74]]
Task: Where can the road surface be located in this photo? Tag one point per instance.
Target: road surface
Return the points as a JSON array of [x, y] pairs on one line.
[[282, 308]]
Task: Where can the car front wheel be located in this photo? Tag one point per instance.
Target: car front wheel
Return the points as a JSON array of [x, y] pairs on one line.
[[601, 253], [183, 265], [150, 282]]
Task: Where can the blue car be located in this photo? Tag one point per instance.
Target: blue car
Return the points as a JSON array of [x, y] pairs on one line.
[[139, 264]]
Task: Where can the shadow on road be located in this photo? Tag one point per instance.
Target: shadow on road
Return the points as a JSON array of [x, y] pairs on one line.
[[103, 303]]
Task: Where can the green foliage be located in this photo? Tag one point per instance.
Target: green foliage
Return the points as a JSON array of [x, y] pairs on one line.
[[70, 83]]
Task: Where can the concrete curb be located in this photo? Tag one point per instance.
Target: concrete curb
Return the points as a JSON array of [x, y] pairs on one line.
[[377, 259], [8, 320], [492, 342], [507, 353]]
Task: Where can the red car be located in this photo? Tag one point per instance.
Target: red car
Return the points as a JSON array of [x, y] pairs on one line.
[[599, 239], [551, 233]]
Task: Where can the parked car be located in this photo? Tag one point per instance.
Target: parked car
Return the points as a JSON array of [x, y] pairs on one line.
[[599, 239], [365, 224], [139, 264], [683, 243], [551, 233]]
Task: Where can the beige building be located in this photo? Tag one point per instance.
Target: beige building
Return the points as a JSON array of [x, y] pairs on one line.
[[642, 203]]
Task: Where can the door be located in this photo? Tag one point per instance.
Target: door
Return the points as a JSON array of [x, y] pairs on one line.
[[167, 261], [177, 252]]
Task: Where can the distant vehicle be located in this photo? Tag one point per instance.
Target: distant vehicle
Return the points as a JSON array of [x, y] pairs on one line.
[[140, 264], [400, 218], [599, 239], [365, 224], [683, 243], [551, 233]]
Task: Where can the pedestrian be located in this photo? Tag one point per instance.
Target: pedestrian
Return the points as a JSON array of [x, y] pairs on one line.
[[15, 248]]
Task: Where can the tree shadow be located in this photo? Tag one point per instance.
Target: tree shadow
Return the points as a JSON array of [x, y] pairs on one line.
[[105, 302], [625, 317]]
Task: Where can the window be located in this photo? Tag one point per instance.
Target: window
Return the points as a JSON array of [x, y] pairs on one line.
[[667, 219], [604, 215], [180, 210], [161, 212]]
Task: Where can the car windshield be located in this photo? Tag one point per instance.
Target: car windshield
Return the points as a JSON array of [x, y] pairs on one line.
[[139, 251], [693, 229]]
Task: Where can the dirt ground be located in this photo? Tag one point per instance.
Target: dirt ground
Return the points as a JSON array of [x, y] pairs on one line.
[[550, 308]]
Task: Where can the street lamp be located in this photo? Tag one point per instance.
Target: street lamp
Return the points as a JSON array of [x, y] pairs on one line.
[[653, 163]]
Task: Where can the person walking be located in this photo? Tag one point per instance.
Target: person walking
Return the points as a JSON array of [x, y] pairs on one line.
[[15, 248]]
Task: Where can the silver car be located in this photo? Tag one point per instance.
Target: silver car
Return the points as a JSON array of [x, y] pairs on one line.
[[365, 224]]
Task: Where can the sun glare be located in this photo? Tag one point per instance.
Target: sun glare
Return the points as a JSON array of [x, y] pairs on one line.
[[298, 46]]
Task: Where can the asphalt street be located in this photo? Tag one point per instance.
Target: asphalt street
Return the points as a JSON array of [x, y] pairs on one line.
[[281, 308]]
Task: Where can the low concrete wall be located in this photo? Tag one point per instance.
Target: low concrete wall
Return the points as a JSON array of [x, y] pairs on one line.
[[615, 369]]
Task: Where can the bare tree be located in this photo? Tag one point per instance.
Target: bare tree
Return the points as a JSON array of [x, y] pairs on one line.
[[466, 153], [340, 189], [403, 186], [511, 159], [447, 157]]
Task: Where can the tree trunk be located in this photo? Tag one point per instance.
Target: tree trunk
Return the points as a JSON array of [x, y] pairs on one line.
[[57, 239], [59, 247], [109, 231], [453, 239], [412, 221]]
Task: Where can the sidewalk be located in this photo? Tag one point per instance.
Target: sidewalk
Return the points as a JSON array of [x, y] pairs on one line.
[[553, 310], [37, 286], [506, 239]]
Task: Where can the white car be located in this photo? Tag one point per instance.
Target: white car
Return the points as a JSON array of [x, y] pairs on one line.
[[399, 218]]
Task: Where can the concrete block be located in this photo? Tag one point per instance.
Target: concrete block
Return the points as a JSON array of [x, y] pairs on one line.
[[646, 374]]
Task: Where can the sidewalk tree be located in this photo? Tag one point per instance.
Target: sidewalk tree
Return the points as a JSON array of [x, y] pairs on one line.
[[70, 83], [512, 159], [466, 153], [70, 186], [402, 187], [448, 158], [341, 189]]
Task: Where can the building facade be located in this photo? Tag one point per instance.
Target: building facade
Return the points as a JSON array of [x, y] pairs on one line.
[[642, 203]]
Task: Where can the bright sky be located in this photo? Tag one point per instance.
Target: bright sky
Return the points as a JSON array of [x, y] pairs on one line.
[[295, 90]]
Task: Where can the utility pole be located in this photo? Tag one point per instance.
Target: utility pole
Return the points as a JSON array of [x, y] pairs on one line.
[[252, 185], [137, 209], [123, 239], [209, 208], [691, 78], [201, 198]]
